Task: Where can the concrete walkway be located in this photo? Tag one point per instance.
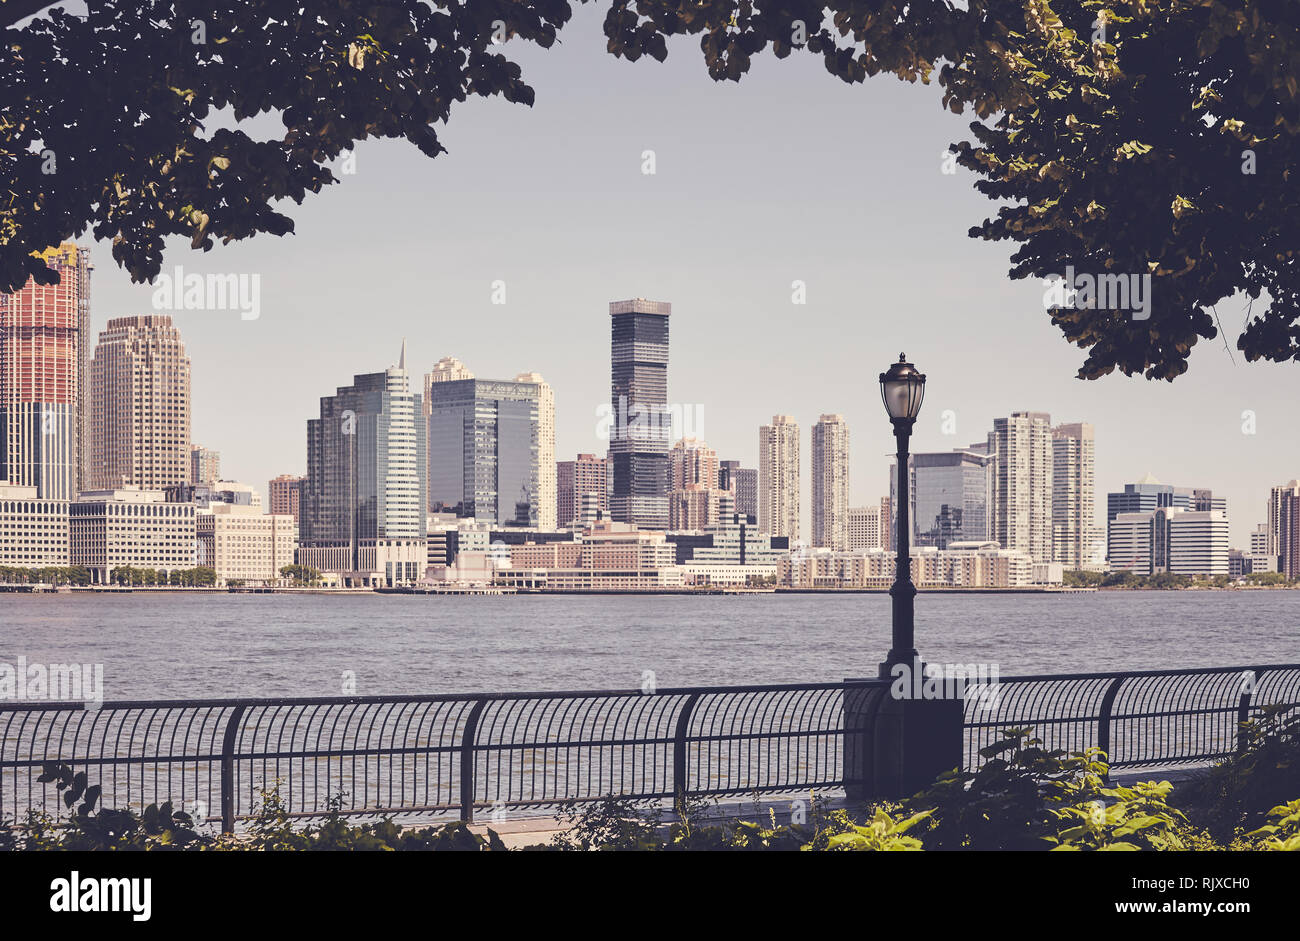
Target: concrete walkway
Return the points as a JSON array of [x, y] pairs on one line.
[[520, 828]]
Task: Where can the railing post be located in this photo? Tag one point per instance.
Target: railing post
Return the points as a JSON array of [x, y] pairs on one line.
[[467, 762], [679, 748], [1243, 705], [228, 770], [1103, 721]]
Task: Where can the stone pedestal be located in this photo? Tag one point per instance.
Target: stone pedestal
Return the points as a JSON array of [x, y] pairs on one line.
[[895, 747]]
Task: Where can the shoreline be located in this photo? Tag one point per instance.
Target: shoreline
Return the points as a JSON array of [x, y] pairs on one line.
[[699, 592]]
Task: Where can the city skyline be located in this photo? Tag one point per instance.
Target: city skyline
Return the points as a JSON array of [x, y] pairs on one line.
[[449, 368], [893, 271]]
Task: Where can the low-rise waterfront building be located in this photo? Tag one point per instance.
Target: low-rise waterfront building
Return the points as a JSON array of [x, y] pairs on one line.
[[608, 556], [33, 531], [972, 564], [242, 544], [133, 527]]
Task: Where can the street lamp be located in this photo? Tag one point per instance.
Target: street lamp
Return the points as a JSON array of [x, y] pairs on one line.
[[902, 388]]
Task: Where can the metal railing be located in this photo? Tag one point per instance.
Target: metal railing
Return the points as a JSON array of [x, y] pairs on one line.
[[412, 756], [1147, 718]]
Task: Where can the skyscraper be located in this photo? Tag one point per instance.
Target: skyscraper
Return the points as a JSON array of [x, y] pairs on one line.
[[285, 494], [362, 504], [139, 406], [205, 465], [546, 484], [692, 462], [1075, 538], [1274, 523], [743, 484], [1288, 528], [864, 527], [830, 482], [949, 495], [1021, 448], [43, 337], [447, 369], [586, 476], [694, 493], [484, 448], [641, 428], [778, 477]]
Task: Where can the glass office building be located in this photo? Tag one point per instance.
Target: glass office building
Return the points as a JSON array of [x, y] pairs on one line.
[[949, 493], [362, 504], [1146, 495], [484, 441]]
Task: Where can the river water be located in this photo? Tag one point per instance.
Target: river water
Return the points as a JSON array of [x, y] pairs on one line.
[[186, 646]]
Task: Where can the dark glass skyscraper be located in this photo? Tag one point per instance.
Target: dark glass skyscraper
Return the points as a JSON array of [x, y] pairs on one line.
[[362, 504], [950, 497], [484, 440], [641, 432]]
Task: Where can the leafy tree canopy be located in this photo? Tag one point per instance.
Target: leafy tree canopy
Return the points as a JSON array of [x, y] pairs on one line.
[[1118, 137]]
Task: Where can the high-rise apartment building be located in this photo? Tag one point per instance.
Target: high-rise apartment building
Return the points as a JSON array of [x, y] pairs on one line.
[[778, 477], [727, 475], [1076, 539], [830, 482], [285, 494], [864, 528], [641, 427], [1288, 528], [547, 511], [742, 482], [362, 509], [587, 475], [1021, 448], [484, 450], [43, 387], [693, 507], [205, 465], [447, 369], [691, 462], [693, 481], [886, 524], [1274, 523], [139, 406]]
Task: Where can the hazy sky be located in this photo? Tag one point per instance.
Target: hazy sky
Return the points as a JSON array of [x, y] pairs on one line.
[[789, 175]]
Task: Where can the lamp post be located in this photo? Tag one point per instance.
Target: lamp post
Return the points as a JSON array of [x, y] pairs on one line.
[[902, 388]]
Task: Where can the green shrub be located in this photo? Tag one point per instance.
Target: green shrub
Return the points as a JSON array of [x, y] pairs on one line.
[[1011, 802], [1284, 832], [1121, 818], [1240, 792]]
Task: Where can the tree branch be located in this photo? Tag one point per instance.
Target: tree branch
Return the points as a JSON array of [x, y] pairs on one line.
[[13, 11]]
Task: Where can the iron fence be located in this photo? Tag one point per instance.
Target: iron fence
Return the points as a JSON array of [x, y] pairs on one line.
[[413, 756]]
